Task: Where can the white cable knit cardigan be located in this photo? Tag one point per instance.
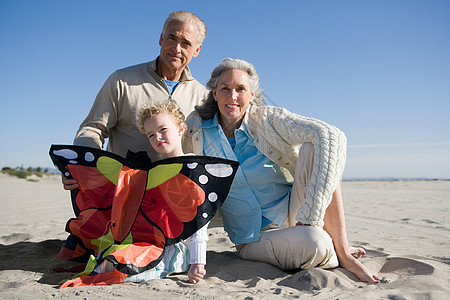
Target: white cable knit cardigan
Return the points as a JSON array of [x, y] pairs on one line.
[[277, 133]]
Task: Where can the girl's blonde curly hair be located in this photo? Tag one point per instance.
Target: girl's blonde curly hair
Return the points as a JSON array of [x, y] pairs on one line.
[[149, 111]]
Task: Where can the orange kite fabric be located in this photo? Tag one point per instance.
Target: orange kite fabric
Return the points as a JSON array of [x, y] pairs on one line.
[[129, 209]]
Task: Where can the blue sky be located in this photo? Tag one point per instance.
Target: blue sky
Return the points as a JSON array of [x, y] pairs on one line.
[[378, 70]]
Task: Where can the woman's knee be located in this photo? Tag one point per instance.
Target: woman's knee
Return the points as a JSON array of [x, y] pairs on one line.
[[325, 255], [293, 248], [313, 248]]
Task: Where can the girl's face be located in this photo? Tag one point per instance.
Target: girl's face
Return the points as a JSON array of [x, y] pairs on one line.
[[164, 134], [233, 95]]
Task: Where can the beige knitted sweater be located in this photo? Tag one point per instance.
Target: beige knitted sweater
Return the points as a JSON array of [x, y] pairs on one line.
[[278, 133]]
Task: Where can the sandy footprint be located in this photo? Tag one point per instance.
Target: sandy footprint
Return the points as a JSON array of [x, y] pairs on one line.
[[315, 280], [14, 238], [398, 267]]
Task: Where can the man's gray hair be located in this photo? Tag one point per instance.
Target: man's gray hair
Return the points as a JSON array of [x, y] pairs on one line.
[[185, 16], [209, 107]]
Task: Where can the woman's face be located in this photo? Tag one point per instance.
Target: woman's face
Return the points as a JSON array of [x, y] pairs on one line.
[[233, 95]]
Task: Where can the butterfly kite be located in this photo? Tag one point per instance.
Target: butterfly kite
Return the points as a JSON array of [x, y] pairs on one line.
[[129, 209]]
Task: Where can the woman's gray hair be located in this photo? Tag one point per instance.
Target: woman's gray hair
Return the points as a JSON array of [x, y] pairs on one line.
[[185, 16], [209, 106]]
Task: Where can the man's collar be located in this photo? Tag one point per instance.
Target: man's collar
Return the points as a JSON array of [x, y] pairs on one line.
[[185, 76]]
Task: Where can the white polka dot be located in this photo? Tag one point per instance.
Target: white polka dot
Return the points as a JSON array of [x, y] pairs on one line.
[[219, 170], [203, 179], [67, 174], [192, 165], [212, 197], [66, 153], [89, 156], [73, 162], [205, 215]]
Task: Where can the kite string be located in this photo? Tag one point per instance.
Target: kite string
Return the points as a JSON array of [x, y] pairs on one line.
[[108, 227]]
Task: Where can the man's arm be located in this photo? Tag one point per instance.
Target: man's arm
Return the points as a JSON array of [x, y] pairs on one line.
[[69, 184], [95, 128], [102, 117]]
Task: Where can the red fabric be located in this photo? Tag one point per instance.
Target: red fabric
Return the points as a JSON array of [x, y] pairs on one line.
[[99, 279], [70, 254], [95, 189], [79, 268], [138, 254], [172, 203], [183, 196], [91, 224], [127, 200], [142, 231]]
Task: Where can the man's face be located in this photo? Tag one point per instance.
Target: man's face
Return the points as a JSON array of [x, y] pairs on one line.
[[178, 46]]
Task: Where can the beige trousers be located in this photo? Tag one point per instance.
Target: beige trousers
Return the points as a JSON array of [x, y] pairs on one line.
[[294, 247]]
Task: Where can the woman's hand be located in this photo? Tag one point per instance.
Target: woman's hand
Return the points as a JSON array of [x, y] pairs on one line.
[[357, 252], [350, 263], [335, 226], [196, 272]]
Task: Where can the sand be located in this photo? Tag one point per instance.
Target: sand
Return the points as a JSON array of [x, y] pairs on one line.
[[403, 225]]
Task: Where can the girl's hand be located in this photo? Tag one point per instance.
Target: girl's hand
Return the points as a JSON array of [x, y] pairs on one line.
[[196, 272]]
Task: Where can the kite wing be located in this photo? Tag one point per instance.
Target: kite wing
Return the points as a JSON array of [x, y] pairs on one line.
[[129, 209]]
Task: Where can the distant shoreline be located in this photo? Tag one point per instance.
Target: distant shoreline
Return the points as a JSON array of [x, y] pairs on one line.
[[395, 179], [53, 172]]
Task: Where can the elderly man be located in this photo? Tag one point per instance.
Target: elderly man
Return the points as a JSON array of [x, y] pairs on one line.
[[113, 114]]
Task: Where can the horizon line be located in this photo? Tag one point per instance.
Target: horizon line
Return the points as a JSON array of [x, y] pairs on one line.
[[397, 145]]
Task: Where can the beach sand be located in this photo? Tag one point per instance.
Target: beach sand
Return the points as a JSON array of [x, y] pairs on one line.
[[403, 225]]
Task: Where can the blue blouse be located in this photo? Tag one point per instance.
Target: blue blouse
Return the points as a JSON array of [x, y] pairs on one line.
[[259, 194]]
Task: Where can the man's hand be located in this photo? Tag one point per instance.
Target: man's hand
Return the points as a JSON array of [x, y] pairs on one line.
[[69, 184], [196, 272]]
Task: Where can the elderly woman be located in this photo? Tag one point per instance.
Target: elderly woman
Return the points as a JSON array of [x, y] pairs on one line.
[[285, 205]]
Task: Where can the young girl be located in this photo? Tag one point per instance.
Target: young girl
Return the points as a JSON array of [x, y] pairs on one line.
[[164, 126]]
